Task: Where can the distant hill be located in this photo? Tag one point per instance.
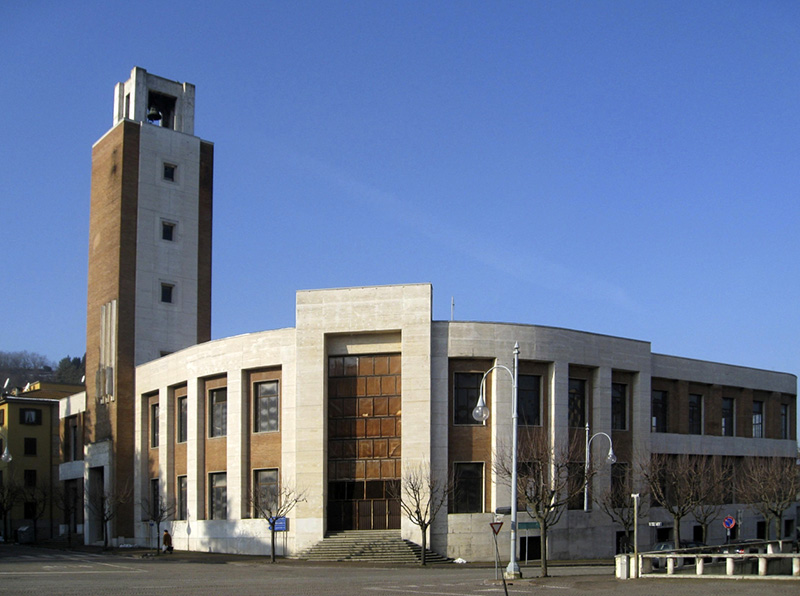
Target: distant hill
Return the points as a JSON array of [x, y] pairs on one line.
[[21, 368]]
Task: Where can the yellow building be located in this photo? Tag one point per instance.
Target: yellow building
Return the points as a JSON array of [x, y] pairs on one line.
[[29, 457]]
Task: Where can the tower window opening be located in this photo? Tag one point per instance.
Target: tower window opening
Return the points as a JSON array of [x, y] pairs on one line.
[[169, 172], [167, 292], [164, 105]]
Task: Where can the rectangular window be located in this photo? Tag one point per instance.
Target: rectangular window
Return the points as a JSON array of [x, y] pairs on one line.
[[30, 509], [183, 419], [577, 403], [153, 425], [758, 419], [728, 417], [30, 446], [695, 414], [32, 416], [167, 231], [2, 417], [218, 495], [167, 293], [466, 388], [619, 406], [529, 400], [620, 485], [266, 407], [265, 497], [183, 504], [658, 411], [29, 478], [71, 439], [784, 421], [155, 499], [218, 412], [170, 171], [576, 484], [468, 494]]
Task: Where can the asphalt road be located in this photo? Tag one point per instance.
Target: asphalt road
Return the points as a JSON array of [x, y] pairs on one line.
[[28, 570]]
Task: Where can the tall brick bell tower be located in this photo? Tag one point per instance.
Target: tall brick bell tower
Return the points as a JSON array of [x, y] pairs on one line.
[[149, 272]]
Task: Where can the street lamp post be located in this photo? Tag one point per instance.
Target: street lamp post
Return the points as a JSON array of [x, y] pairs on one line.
[[635, 497], [481, 413], [610, 458]]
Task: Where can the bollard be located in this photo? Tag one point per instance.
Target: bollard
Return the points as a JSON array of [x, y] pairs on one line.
[[670, 565], [699, 566], [796, 566], [762, 565], [730, 564], [622, 567]]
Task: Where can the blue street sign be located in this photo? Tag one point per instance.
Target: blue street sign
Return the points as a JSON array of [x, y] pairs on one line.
[[280, 524], [729, 522]]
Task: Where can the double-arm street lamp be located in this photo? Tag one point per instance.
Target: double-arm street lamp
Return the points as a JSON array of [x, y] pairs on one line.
[[481, 413], [610, 458]]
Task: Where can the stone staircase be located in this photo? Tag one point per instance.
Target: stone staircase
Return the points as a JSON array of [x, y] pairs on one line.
[[374, 546]]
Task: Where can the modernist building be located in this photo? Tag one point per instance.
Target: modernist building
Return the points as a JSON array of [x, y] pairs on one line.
[[367, 385], [149, 288]]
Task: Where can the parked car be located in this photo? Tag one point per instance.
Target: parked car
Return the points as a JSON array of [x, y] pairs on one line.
[[670, 546], [741, 547]]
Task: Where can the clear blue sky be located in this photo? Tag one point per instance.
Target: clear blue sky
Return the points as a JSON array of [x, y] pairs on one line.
[[628, 167]]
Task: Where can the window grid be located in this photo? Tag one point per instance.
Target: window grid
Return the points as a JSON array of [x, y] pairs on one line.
[[758, 419], [695, 414], [619, 406], [728, 417], [153, 425], [577, 403], [466, 389], [218, 412], [468, 494], [658, 411], [265, 483], [266, 407], [182, 419], [183, 509], [218, 495], [529, 400]]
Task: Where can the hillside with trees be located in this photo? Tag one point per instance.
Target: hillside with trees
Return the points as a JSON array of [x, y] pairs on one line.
[[25, 367]]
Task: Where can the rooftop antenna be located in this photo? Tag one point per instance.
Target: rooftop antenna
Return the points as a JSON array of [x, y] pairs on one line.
[[452, 307]]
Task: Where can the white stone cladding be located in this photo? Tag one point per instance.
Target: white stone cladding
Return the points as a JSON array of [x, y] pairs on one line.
[[166, 327], [397, 319]]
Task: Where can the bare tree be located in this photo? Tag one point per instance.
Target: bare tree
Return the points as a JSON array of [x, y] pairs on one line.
[[36, 499], [10, 495], [672, 483], [158, 510], [713, 484], [616, 501], [547, 480], [272, 502], [422, 495], [105, 505], [770, 485]]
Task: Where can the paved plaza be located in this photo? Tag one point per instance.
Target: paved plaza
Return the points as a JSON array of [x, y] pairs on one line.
[[30, 570]]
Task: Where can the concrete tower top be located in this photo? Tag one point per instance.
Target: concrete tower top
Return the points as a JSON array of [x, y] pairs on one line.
[[161, 102]]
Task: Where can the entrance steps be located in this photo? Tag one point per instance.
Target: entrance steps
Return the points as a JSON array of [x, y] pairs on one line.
[[375, 546]]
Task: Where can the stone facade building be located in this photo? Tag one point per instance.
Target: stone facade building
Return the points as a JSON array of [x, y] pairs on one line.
[[367, 386], [364, 388]]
